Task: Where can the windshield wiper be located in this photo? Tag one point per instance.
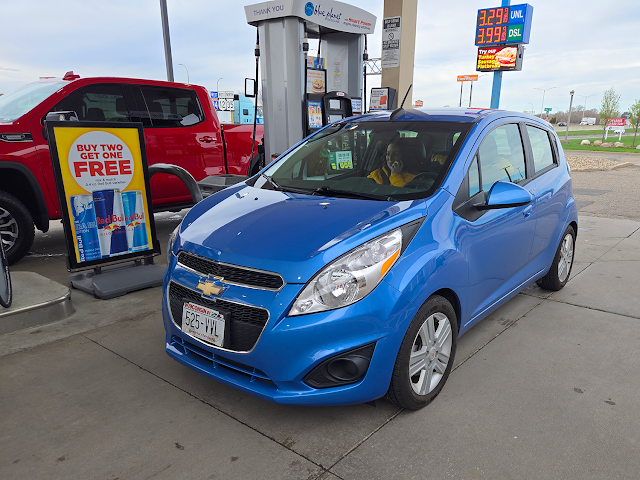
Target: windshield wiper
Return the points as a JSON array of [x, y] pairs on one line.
[[272, 182], [280, 188], [328, 191]]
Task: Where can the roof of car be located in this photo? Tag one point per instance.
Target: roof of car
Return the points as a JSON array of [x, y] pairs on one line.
[[445, 114], [115, 80]]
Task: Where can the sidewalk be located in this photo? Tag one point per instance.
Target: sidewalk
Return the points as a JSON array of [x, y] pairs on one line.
[[547, 387]]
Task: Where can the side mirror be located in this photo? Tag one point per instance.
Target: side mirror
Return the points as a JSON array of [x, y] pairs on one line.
[[64, 116], [250, 87], [506, 195]]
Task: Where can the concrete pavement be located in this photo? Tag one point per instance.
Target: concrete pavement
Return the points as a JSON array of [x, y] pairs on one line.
[[546, 387]]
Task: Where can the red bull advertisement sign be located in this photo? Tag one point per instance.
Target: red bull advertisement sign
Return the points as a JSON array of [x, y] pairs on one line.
[[103, 189]]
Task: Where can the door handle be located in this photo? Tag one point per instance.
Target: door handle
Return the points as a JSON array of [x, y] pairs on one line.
[[206, 139], [528, 211]]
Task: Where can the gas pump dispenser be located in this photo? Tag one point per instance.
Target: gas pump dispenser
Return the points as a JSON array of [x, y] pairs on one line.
[[325, 109], [294, 92]]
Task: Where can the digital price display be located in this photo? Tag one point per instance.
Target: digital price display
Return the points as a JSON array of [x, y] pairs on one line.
[[504, 25], [494, 59]]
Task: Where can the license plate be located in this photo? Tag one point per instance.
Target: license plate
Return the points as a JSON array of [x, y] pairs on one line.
[[203, 323]]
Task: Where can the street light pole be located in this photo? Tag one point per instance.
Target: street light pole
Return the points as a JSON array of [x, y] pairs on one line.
[[218, 86], [566, 133], [533, 109], [585, 103], [544, 90], [471, 92], [167, 40], [185, 67]]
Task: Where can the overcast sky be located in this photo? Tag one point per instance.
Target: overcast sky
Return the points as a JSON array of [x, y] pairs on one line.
[[584, 45]]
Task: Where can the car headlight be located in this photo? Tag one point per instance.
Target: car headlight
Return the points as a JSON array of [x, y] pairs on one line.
[[350, 277], [172, 241]]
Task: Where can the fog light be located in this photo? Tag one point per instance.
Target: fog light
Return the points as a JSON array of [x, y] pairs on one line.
[[342, 369]]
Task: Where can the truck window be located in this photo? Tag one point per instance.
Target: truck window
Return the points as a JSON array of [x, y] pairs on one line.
[[99, 103], [172, 107]]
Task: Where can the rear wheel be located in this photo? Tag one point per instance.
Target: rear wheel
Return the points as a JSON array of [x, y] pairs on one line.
[[426, 355], [16, 227], [558, 275]]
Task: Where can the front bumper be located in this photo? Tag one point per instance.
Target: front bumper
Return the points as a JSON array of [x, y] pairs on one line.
[[290, 347]]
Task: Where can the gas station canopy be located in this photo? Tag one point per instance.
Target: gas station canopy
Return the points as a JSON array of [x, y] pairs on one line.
[[329, 14]]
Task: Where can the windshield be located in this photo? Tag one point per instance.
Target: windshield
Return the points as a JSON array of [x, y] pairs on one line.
[[15, 104], [374, 160]]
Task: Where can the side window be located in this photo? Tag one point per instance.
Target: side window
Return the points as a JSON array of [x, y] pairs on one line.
[[474, 178], [542, 154], [502, 156], [172, 107], [101, 103]]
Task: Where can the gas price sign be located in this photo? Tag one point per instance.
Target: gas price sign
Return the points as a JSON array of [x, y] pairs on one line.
[[504, 25]]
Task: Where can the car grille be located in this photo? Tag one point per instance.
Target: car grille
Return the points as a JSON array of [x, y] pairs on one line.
[[247, 322], [231, 273]]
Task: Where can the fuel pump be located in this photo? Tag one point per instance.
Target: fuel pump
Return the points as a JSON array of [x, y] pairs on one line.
[[325, 109]]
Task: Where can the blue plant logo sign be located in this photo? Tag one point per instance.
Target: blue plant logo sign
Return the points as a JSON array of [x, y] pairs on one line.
[[308, 9]]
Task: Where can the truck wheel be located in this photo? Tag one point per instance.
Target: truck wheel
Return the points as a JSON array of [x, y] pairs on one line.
[[16, 227]]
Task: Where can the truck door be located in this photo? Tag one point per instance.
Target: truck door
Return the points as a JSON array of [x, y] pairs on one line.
[[180, 134]]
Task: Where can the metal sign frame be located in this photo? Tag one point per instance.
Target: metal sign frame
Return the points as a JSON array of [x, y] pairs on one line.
[[5, 301], [73, 264]]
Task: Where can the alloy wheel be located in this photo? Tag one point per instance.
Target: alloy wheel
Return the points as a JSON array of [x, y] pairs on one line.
[[430, 353], [8, 229], [566, 257]]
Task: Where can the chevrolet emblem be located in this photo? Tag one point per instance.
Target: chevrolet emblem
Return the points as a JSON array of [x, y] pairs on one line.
[[211, 286]]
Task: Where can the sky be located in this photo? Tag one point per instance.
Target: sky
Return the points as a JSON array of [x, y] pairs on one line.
[[583, 45]]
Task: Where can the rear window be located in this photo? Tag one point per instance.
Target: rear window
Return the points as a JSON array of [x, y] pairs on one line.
[[172, 107]]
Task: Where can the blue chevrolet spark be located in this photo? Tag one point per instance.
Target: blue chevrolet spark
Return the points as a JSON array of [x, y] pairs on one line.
[[347, 269]]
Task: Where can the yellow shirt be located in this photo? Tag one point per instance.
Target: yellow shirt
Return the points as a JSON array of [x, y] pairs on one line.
[[395, 179]]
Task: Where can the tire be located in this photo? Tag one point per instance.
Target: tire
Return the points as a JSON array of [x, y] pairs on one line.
[[437, 320], [17, 230], [558, 275]]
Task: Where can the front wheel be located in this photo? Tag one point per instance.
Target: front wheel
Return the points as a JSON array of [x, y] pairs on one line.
[[426, 355], [558, 275], [16, 227]]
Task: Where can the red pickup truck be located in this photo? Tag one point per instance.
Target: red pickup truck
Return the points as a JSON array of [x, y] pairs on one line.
[[180, 127]]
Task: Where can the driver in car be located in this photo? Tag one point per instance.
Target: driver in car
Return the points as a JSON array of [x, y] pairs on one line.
[[394, 172]]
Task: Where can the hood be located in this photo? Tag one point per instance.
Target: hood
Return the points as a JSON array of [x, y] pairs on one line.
[[291, 234]]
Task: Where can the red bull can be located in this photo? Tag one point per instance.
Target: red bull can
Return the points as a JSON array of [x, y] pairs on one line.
[[85, 225], [135, 221], [110, 219]]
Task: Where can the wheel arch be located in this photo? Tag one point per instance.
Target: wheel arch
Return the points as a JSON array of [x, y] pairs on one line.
[[17, 180], [452, 298], [574, 224]]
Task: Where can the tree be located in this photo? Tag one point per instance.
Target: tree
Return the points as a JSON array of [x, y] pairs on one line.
[[608, 108], [634, 118]]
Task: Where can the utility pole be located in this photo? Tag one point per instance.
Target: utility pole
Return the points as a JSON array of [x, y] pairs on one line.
[[167, 40], [566, 134]]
